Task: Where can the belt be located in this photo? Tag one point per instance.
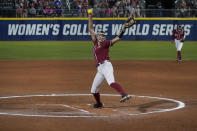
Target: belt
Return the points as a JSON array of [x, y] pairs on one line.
[[100, 63]]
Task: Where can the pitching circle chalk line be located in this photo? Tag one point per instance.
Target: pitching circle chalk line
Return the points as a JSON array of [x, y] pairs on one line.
[[180, 105]]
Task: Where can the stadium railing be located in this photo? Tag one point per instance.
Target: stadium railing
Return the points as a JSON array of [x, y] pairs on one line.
[[6, 12]]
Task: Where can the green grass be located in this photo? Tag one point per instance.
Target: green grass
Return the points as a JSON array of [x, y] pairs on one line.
[[82, 50]]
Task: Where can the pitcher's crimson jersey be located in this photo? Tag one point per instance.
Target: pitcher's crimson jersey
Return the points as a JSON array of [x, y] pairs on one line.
[[101, 52], [178, 34]]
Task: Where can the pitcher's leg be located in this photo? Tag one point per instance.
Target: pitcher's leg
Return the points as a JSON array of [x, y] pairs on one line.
[[109, 76], [108, 73], [98, 80], [118, 88]]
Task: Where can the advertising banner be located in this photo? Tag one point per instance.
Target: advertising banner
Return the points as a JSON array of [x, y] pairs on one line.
[[78, 29]]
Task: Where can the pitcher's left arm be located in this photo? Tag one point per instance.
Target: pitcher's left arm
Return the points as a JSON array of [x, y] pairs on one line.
[[128, 23]]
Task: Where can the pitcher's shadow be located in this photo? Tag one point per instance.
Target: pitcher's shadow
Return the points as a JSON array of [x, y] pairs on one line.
[[141, 107]]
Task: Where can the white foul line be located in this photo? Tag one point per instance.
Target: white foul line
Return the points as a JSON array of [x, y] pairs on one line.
[[180, 105]]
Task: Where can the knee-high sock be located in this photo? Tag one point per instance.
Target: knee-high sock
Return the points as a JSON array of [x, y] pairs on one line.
[[97, 97], [179, 54], [118, 88]]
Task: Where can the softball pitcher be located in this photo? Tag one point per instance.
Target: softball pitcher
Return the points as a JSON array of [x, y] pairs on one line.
[[178, 35], [102, 60]]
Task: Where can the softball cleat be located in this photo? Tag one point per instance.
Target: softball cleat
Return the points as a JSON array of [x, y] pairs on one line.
[[98, 105], [124, 98]]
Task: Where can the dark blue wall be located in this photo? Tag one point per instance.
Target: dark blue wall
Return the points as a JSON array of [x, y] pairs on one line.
[[78, 29]]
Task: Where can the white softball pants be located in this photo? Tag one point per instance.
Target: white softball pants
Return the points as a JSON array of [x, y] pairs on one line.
[[105, 71], [178, 45]]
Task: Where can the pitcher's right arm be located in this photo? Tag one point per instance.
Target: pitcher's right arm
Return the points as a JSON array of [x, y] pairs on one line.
[[90, 27]]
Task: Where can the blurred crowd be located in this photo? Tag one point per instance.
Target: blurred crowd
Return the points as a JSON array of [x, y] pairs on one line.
[[34, 8], [186, 8], [104, 8], [111, 8]]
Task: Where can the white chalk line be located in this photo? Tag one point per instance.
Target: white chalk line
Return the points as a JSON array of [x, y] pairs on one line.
[[180, 105], [82, 110], [34, 115]]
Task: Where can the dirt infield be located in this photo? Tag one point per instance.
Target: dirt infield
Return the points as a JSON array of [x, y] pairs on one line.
[[54, 96]]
